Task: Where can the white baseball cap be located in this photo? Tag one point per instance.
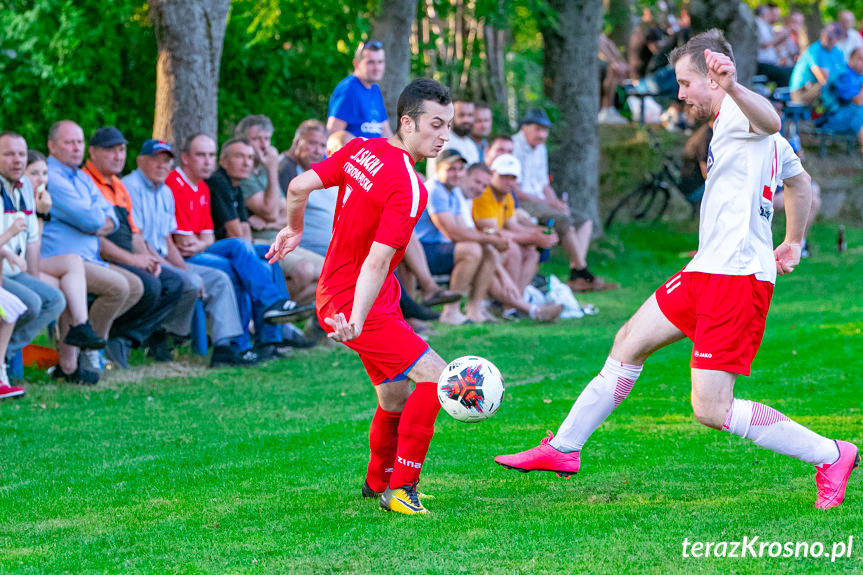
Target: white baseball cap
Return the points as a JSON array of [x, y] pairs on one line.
[[507, 165]]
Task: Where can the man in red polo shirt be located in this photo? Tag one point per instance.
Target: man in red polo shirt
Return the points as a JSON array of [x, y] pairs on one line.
[[196, 241], [379, 203]]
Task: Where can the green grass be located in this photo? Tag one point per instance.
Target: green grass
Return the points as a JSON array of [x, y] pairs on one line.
[[258, 471]]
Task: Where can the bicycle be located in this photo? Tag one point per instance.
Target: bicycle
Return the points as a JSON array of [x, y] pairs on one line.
[[649, 201]]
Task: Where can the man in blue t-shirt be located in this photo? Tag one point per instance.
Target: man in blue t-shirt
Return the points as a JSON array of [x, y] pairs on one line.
[[817, 66], [357, 104], [822, 71]]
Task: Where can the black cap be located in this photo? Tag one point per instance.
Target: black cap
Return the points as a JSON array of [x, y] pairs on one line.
[[449, 156], [536, 116], [107, 137]]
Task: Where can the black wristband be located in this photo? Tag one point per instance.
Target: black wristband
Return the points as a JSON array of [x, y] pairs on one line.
[[46, 217]]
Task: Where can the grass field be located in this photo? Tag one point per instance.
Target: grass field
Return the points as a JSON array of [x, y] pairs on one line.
[[258, 471]]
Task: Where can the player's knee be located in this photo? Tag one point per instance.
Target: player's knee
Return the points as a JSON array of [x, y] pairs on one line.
[[708, 413], [395, 404], [622, 334]]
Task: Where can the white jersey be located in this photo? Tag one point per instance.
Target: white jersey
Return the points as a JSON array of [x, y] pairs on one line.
[[789, 163], [734, 236]]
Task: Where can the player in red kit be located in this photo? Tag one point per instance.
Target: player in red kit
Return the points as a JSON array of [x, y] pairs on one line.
[[357, 301]]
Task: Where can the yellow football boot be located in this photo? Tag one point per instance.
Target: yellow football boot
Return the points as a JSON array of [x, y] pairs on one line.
[[402, 500]]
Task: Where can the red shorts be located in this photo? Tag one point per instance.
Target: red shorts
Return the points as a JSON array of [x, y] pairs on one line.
[[387, 346], [723, 315]]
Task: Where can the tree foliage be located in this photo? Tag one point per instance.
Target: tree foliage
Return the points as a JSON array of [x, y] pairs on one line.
[[95, 61], [90, 61]]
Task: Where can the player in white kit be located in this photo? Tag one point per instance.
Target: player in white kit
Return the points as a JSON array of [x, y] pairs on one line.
[[720, 299]]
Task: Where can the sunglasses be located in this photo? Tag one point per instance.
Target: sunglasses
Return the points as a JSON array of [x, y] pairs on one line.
[[370, 45]]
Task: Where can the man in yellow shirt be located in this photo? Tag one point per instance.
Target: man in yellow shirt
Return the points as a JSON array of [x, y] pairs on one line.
[[495, 210]]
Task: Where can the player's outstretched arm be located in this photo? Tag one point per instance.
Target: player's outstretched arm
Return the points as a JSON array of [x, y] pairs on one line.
[[798, 201], [297, 196], [372, 275], [763, 118]]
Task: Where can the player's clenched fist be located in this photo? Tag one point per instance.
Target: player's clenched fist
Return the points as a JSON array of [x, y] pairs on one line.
[[720, 69], [787, 257]]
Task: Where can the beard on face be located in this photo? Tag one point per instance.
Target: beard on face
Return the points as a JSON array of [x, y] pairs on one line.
[[462, 130]]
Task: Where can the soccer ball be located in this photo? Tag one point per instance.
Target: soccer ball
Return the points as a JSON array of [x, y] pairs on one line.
[[470, 389]]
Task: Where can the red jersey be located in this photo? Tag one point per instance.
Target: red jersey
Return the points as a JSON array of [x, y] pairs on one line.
[[191, 205], [380, 200]]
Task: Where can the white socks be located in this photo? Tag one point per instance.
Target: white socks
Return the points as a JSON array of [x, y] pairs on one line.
[[763, 425], [595, 404], [770, 429]]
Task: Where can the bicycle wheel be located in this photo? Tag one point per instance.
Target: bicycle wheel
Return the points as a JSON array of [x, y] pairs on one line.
[[647, 203]]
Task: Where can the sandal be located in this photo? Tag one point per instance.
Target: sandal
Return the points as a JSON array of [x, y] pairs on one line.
[[442, 296]]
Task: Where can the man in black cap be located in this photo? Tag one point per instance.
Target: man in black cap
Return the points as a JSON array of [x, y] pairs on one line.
[[454, 247], [126, 248], [539, 199]]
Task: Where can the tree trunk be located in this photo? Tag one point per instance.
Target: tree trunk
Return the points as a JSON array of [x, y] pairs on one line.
[[495, 41], [737, 21], [189, 35], [391, 25], [620, 17], [570, 46], [811, 10]]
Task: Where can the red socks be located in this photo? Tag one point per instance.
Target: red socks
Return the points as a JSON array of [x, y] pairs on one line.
[[383, 440], [415, 433]]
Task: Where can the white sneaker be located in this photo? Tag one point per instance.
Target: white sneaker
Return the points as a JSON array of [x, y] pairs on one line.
[[611, 116], [91, 360]]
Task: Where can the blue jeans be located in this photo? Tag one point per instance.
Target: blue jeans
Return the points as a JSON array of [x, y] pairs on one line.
[[845, 119], [257, 284], [44, 304]]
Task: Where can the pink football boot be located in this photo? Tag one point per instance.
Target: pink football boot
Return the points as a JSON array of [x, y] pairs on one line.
[[543, 457], [832, 478]]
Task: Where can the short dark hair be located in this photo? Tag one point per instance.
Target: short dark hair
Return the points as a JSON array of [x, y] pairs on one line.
[[495, 137], [413, 98], [186, 148], [712, 40], [227, 146], [478, 166], [482, 105], [34, 156]]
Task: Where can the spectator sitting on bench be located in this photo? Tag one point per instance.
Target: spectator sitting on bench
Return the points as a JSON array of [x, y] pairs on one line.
[[65, 272], [254, 281], [80, 218], [537, 196], [850, 39], [839, 85], [264, 195], [494, 211], [155, 215], [125, 247], [40, 303], [454, 248]]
